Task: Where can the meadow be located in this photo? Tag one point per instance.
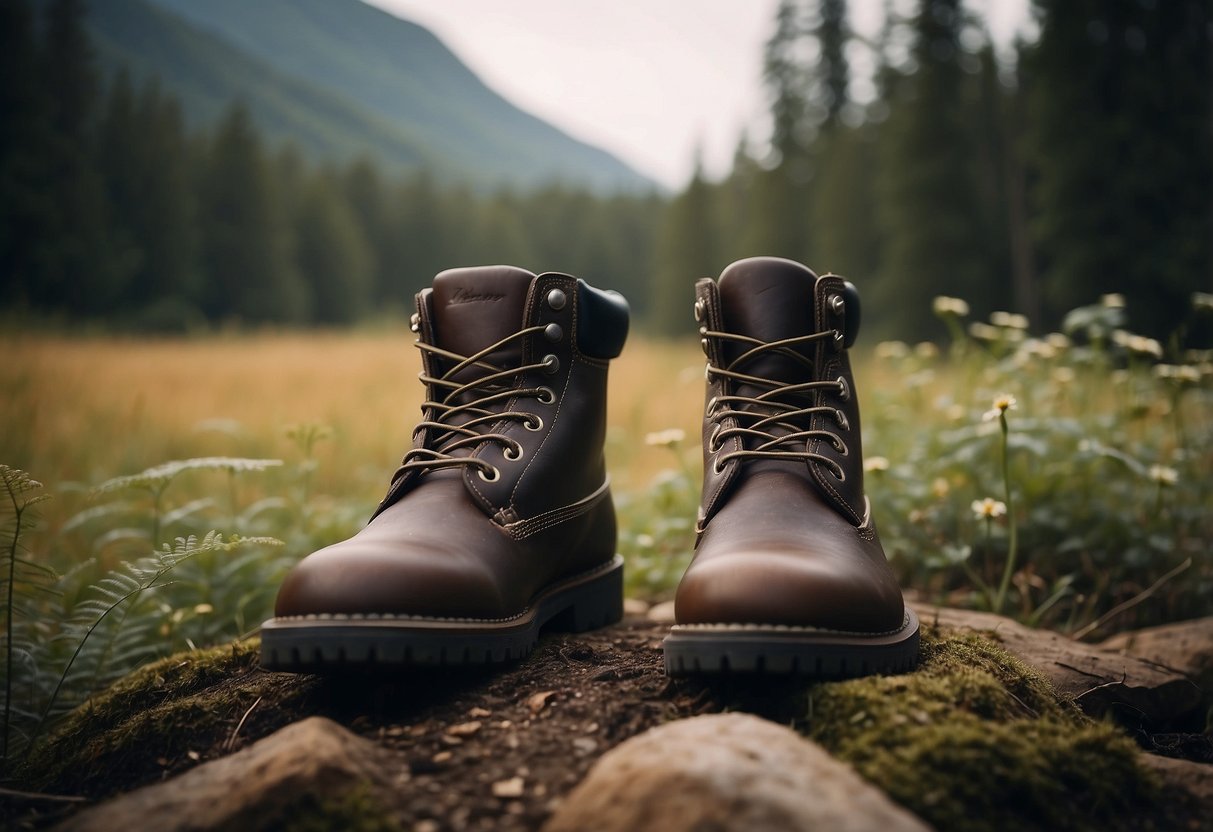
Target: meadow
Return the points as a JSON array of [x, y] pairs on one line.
[[1062, 479]]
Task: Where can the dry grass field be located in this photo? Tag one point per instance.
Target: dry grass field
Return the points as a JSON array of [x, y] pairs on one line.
[[86, 409]]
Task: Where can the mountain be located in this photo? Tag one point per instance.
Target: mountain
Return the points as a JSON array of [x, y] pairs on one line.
[[340, 78]]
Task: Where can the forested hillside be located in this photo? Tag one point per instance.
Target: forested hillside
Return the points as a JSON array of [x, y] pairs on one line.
[[1033, 179]]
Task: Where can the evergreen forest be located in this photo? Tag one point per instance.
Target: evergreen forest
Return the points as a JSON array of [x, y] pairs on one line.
[[1032, 177]]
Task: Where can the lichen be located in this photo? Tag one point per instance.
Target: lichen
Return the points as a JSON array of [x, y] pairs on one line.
[[153, 718], [976, 740]]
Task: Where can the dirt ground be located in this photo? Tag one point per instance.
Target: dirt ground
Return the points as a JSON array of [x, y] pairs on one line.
[[477, 750]]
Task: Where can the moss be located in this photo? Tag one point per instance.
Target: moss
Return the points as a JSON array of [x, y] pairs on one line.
[[356, 810], [976, 740], [152, 719]]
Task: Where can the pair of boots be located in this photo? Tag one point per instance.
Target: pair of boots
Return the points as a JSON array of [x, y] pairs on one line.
[[499, 520]]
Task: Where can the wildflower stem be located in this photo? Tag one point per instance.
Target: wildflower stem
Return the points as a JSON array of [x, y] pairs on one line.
[[1012, 545], [8, 632]]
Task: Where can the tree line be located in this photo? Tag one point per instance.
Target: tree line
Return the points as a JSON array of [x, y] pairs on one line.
[[1073, 165], [1033, 179]]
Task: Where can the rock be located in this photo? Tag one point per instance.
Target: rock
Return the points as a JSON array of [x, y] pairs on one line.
[[1194, 778], [725, 772], [1099, 681], [662, 613], [635, 608], [1186, 647], [257, 788]]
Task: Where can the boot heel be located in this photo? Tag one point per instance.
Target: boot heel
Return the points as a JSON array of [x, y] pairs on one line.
[[593, 604]]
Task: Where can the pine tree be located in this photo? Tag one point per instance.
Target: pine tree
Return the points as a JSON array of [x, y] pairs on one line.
[[73, 267], [332, 253], [23, 135], [685, 252], [247, 245], [1119, 114], [928, 193]]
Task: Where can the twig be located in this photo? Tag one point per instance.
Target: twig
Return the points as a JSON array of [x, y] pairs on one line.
[[1132, 602], [62, 798], [231, 741]]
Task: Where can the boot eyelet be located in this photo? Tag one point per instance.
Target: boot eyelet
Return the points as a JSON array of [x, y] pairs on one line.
[[699, 309], [415, 322], [712, 446], [533, 423], [546, 396], [551, 364], [839, 339], [512, 453], [841, 419], [837, 305], [557, 299], [840, 474], [712, 402], [844, 389], [495, 474], [841, 448], [717, 466], [553, 332]]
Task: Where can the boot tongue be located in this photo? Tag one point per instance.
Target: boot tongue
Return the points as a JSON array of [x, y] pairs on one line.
[[770, 299], [476, 307]]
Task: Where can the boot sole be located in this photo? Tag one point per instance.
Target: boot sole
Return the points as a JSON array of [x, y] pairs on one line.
[[785, 651], [314, 644]]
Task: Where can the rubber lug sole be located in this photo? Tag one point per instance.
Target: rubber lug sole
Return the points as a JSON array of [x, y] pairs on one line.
[[725, 649], [323, 645]]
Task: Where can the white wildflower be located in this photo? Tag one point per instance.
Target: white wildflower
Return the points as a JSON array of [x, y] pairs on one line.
[[945, 306], [1002, 403], [988, 508], [667, 438]]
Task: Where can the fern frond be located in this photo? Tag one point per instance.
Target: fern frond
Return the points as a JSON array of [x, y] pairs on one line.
[[158, 477]]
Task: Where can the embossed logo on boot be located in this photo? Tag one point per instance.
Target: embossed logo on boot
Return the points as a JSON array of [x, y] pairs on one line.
[[463, 295]]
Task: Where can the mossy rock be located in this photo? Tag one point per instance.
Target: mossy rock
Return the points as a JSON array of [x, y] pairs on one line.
[[163, 718], [976, 740]]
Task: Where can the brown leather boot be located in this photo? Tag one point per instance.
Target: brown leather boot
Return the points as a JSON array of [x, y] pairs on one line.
[[499, 520], [788, 575]]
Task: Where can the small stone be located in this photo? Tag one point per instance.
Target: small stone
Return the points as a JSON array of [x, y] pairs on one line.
[[450, 740], [592, 728], [635, 608], [662, 613], [480, 713], [442, 757], [427, 825], [585, 745], [193, 755], [510, 788], [537, 701], [464, 729]]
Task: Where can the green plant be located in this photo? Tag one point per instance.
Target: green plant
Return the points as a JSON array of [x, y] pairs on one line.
[[1103, 481]]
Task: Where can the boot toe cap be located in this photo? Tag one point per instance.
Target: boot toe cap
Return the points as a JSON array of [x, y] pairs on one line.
[[775, 588], [355, 579]]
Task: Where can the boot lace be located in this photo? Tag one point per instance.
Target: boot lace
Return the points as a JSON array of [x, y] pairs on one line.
[[774, 423], [460, 418]]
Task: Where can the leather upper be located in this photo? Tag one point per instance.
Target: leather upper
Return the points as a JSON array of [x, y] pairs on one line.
[[455, 542], [784, 541]]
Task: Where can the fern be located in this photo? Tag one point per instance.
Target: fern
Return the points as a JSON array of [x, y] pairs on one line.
[[107, 644], [25, 581], [156, 480]]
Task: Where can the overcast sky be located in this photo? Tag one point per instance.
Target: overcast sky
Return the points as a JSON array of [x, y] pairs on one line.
[[651, 82]]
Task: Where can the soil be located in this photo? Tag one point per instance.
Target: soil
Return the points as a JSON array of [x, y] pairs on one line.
[[478, 749]]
